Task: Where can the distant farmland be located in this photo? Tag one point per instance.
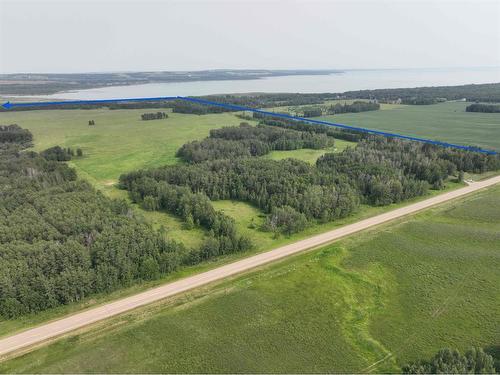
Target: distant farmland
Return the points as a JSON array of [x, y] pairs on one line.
[[444, 122]]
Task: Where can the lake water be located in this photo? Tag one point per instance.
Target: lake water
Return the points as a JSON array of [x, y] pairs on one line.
[[349, 80]]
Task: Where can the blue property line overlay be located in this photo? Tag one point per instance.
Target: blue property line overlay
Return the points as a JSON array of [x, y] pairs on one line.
[[9, 105]]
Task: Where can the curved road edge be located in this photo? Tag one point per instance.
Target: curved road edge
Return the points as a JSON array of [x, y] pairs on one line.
[[39, 334]]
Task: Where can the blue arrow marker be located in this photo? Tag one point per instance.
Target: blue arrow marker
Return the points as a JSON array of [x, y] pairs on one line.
[[9, 105]]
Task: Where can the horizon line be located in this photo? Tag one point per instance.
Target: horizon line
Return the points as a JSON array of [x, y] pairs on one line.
[[253, 69]]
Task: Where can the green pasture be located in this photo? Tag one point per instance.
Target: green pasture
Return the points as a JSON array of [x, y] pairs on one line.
[[120, 141]]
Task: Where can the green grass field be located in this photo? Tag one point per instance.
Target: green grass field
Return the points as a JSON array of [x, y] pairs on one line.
[[445, 122], [369, 303], [119, 142]]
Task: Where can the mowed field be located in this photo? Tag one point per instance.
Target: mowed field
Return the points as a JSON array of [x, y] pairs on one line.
[[364, 304], [445, 122]]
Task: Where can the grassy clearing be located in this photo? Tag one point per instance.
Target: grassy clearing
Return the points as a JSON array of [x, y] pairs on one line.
[[384, 297], [308, 155]]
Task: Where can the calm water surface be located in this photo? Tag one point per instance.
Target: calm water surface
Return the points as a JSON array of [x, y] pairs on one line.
[[350, 80]]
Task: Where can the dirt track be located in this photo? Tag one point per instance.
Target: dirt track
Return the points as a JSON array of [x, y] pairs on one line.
[[56, 328]]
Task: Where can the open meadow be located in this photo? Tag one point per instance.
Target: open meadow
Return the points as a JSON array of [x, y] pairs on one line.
[[365, 304], [119, 141]]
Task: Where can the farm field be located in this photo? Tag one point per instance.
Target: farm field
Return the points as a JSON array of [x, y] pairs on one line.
[[368, 303], [445, 122]]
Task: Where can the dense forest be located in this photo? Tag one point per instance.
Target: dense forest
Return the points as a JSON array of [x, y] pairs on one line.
[[378, 171], [61, 240], [485, 108], [451, 361], [15, 135], [246, 141]]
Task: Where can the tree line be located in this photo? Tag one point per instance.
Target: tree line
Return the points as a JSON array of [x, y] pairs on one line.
[[485, 108], [247, 141], [488, 92], [316, 111], [153, 116], [330, 131], [58, 153], [451, 361], [356, 107], [312, 112]]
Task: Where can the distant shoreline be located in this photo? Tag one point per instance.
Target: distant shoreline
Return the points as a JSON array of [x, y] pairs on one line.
[[52, 83], [303, 83]]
